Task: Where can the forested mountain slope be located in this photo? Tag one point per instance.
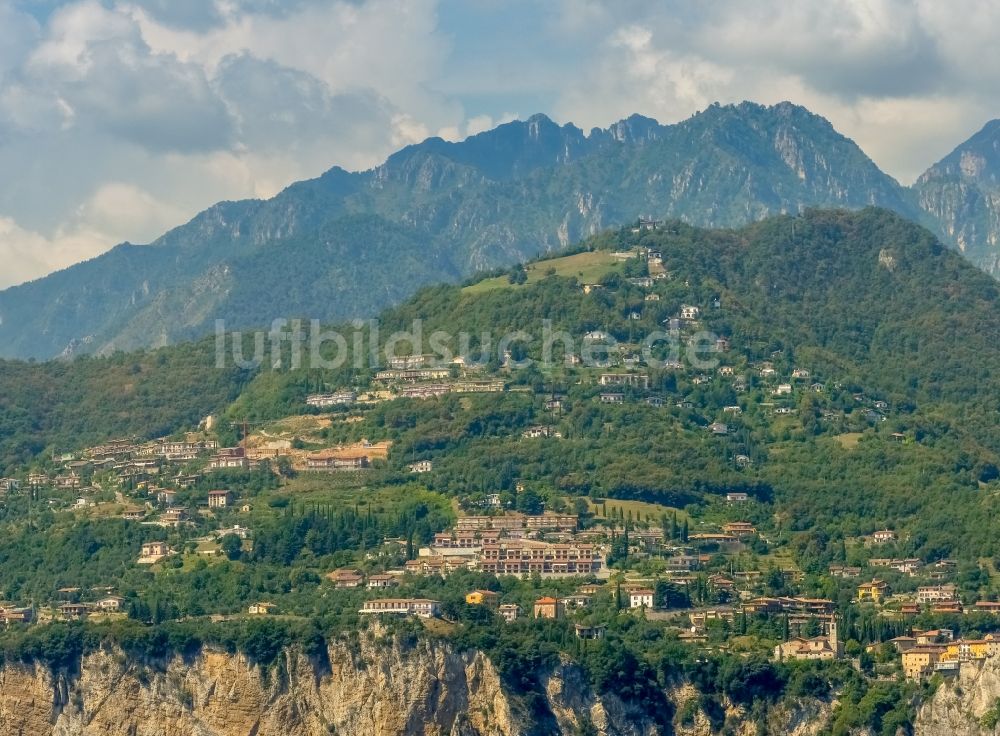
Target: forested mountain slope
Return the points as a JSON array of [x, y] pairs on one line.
[[348, 244], [898, 333]]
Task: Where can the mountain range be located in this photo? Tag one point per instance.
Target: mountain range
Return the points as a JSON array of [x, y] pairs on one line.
[[347, 244]]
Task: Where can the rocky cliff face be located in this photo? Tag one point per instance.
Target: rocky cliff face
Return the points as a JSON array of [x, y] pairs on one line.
[[372, 689], [966, 705], [961, 193], [377, 687]]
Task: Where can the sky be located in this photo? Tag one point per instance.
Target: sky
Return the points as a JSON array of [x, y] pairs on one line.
[[122, 118]]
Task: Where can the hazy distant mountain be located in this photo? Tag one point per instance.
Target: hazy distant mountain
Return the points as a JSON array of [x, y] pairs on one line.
[[961, 193], [346, 244]]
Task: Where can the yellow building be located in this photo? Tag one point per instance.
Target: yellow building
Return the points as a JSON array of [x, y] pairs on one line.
[[483, 598], [548, 608], [920, 661], [966, 649], [876, 591]]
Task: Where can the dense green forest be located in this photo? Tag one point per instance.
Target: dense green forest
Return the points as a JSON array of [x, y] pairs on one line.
[[62, 406]]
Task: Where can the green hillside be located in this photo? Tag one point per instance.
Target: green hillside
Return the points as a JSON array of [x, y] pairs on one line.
[[849, 356], [873, 307], [61, 406]]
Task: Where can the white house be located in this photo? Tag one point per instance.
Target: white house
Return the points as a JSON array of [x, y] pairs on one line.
[[540, 431], [112, 603], [884, 536], [421, 607], [510, 612], [688, 312], [153, 552], [640, 597]]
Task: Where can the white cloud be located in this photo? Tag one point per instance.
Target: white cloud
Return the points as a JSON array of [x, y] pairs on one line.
[[109, 216], [95, 67], [907, 79], [28, 254], [73, 31], [406, 130], [848, 48], [391, 46], [122, 119], [119, 208], [280, 109]]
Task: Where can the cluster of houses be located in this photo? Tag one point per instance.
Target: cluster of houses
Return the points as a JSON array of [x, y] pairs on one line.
[[410, 385], [70, 609], [142, 465], [911, 566], [171, 515], [354, 457], [130, 461], [151, 553], [934, 597], [937, 651], [545, 607], [432, 390], [351, 578], [635, 595], [550, 545], [13, 614], [231, 458], [329, 400], [424, 376]]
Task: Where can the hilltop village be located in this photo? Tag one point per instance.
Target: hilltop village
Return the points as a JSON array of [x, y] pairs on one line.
[[709, 580], [715, 574], [705, 501]]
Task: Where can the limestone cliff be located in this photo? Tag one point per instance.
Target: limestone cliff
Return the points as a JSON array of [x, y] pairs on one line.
[[374, 688], [965, 705], [377, 686], [961, 193]]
